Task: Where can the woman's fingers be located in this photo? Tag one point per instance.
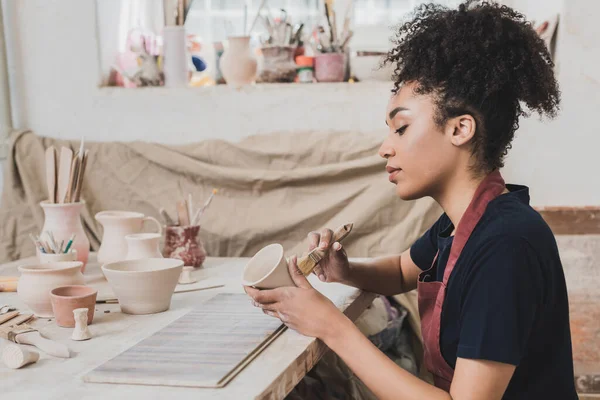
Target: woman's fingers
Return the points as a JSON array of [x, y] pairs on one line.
[[325, 240], [313, 240], [318, 271], [265, 296]]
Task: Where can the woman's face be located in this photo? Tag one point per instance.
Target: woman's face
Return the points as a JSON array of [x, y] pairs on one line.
[[420, 155]]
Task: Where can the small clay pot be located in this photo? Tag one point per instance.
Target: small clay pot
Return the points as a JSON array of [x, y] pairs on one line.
[[65, 299], [183, 243]]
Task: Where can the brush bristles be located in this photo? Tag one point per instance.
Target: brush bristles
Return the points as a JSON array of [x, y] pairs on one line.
[[308, 263]]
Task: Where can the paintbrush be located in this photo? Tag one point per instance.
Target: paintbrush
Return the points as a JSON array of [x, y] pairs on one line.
[[199, 213], [307, 263]]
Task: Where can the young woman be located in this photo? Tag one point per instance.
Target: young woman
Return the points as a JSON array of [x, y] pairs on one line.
[[492, 294]]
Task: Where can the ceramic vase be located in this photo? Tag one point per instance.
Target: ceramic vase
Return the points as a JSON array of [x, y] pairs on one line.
[[143, 245], [330, 67], [183, 243], [64, 220], [238, 64], [37, 281], [117, 225]]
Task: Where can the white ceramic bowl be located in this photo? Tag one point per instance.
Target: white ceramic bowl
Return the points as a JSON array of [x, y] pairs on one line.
[[268, 269], [144, 286]]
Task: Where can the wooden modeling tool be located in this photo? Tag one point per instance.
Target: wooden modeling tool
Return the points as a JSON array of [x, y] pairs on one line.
[[307, 263], [72, 177], [15, 357], [64, 174], [182, 213], [79, 181], [16, 330], [51, 173]]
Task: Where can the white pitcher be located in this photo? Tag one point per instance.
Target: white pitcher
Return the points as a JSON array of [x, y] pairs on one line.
[[143, 245], [117, 225]]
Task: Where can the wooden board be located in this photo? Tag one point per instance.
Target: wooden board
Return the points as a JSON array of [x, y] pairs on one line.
[[206, 347]]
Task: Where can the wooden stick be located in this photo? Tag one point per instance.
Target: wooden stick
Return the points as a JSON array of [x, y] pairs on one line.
[[64, 170], [51, 155], [79, 184], [182, 213]]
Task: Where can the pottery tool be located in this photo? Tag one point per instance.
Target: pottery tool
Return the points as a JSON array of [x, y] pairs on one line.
[[206, 347], [307, 263], [64, 174], [69, 243], [190, 205], [177, 290], [166, 217], [83, 157], [8, 316], [182, 213], [72, 177], [6, 309], [19, 332], [15, 357], [198, 215], [51, 173]]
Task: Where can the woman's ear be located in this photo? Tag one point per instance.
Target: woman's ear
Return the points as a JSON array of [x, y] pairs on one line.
[[462, 129]]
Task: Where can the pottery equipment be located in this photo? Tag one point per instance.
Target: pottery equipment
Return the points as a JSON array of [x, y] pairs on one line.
[[51, 169], [117, 225], [81, 330], [206, 347], [16, 330], [65, 299], [37, 281], [307, 263], [183, 243], [268, 269], [238, 64], [186, 277], [45, 258], [64, 174], [64, 220], [15, 356], [143, 245], [144, 286], [330, 67]]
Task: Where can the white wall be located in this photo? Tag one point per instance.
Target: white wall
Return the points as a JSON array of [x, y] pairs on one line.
[[54, 66]]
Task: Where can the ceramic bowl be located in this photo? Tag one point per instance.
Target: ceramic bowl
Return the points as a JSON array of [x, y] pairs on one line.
[[144, 286], [38, 280], [65, 299], [268, 269]]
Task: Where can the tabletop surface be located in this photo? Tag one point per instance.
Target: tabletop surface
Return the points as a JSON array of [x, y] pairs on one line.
[[271, 375]]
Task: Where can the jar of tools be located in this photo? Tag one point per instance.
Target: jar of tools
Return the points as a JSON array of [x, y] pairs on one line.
[[278, 64]]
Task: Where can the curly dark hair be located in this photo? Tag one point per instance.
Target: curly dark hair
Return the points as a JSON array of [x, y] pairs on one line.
[[481, 59]]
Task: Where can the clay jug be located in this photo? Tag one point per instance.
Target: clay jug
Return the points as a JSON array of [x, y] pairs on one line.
[[64, 220], [117, 225], [238, 64], [143, 245]]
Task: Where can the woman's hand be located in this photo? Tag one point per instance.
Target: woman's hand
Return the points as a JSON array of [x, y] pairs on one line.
[[334, 267], [301, 308]]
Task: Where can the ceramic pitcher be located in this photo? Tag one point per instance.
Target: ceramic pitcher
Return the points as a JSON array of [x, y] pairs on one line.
[[117, 225], [238, 64], [64, 220], [143, 245]]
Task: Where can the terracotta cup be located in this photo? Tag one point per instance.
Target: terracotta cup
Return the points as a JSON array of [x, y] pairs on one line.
[[330, 67], [65, 299], [268, 269], [183, 243]]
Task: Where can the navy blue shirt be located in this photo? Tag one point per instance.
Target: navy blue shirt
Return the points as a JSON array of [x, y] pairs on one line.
[[506, 298]]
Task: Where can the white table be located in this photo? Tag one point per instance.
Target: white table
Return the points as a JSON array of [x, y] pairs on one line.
[[272, 375]]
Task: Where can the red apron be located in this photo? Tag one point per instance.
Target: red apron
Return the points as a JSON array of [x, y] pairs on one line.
[[431, 294]]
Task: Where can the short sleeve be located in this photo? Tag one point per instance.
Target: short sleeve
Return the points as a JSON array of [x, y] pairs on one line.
[[423, 251], [504, 293]]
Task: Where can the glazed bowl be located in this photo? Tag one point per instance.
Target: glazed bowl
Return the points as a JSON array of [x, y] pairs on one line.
[[38, 280], [65, 299], [143, 286], [268, 269]]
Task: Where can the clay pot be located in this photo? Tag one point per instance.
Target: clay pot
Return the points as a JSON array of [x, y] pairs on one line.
[[143, 245], [238, 64], [64, 220], [37, 281], [268, 269], [330, 67], [117, 225], [65, 299], [45, 258], [144, 286], [183, 243]]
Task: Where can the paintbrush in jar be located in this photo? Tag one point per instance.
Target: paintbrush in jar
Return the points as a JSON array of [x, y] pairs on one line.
[[199, 213], [307, 263]]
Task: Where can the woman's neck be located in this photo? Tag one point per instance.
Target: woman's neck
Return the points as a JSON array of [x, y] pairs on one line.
[[457, 195]]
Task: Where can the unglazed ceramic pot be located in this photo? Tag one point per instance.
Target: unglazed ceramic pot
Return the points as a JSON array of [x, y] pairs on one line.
[[238, 64], [65, 299], [117, 225], [143, 245], [144, 286], [38, 280], [268, 269], [64, 220], [183, 243], [45, 258]]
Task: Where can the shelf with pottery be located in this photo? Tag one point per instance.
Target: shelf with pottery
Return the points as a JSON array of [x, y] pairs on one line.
[[272, 374]]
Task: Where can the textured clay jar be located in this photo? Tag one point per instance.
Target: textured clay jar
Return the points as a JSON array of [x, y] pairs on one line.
[[183, 243], [65, 299], [238, 64], [37, 281]]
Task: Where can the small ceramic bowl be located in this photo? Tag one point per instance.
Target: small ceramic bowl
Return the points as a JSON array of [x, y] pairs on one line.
[[46, 258], [268, 269], [65, 299], [144, 286]]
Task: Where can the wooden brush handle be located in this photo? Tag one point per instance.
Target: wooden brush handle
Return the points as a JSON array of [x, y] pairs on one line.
[[341, 232], [48, 346]]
